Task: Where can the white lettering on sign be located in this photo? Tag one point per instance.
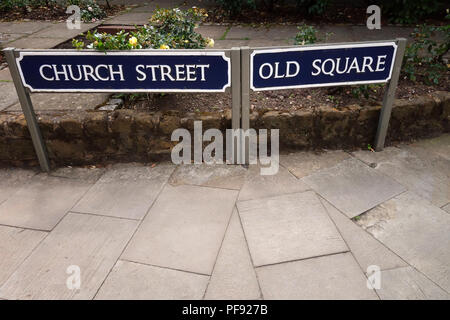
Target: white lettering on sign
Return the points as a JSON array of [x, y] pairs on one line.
[[331, 67], [68, 72], [381, 62], [189, 72], [266, 70]]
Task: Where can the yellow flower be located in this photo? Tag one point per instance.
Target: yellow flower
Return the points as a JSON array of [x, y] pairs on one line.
[[133, 41], [210, 42], [164, 46]]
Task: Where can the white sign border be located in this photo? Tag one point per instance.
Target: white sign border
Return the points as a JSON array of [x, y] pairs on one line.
[[156, 52], [338, 46]]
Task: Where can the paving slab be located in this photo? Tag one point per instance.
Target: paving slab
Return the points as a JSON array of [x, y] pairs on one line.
[[218, 175], [439, 146], [366, 249], [5, 75], [215, 32], [408, 284], [25, 27], [64, 101], [255, 43], [91, 174], [8, 37], [288, 227], [60, 30], [135, 281], [150, 7], [233, 277], [282, 32], [42, 202], [36, 43], [330, 277], [330, 34], [427, 156], [302, 164], [239, 32], [125, 191], [132, 18], [228, 44], [425, 173], [361, 33], [353, 187], [15, 245], [446, 208], [8, 95], [12, 179], [415, 230], [92, 243], [4, 25], [184, 229], [261, 186]]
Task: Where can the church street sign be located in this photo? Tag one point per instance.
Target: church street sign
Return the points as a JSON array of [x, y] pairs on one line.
[[126, 71], [319, 66]]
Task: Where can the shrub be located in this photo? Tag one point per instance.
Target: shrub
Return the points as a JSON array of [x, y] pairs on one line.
[[169, 29], [410, 11], [306, 35], [365, 90], [313, 7], [233, 7], [424, 56], [8, 5], [89, 9]]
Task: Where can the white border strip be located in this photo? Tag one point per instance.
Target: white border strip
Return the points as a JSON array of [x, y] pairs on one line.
[[125, 53], [342, 46]]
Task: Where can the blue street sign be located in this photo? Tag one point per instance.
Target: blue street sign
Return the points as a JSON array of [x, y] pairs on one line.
[[131, 71], [319, 66]]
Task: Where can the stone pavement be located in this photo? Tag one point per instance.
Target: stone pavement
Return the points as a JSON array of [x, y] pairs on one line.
[[224, 232], [160, 231]]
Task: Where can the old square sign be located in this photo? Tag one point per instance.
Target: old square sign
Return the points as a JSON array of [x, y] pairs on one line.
[[133, 71], [324, 65], [318, 66]]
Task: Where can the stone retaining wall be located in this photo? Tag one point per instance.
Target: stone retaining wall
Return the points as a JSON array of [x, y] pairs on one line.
[[87, 137]]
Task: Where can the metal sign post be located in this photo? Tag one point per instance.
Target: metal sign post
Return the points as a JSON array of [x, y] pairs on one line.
[[245, 102], [389, 97], [27, 108]]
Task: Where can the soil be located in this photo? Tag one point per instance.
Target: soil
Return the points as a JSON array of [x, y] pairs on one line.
[[283, 100], [50, 13], [291, 15]]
